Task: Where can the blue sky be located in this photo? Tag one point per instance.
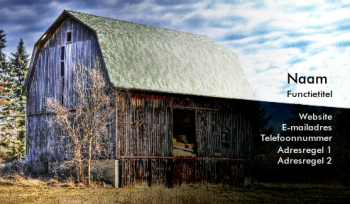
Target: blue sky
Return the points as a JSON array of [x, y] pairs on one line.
[[272, 38]]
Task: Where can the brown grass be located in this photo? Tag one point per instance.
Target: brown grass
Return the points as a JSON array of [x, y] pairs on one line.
[[20, 190]]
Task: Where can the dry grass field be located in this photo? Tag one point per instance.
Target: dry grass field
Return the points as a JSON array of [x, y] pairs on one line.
[[19, 190]]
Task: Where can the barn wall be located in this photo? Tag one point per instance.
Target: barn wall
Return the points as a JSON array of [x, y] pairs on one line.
[[46, 82], [145, 141], [43, 142], [145, 126], [181, 171]]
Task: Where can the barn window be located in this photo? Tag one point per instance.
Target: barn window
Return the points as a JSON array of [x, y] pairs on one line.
[[69, 36], [225, 138], [62, 69], [62, 53], [184, 138]]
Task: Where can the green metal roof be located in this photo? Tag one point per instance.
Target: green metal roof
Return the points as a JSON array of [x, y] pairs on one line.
[[156, 59]]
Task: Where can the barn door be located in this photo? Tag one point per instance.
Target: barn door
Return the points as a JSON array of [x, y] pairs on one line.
[[184, 133]]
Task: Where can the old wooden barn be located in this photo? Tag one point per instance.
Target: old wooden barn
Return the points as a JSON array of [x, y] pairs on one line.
[[184, 120]]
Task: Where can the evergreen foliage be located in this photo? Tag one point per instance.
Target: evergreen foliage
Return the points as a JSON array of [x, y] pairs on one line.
[[5, 91], [18, 69], [7, 120]]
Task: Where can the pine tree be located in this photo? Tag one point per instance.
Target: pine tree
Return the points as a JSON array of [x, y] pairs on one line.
[[4, 87], [7, 119], [19, 66]]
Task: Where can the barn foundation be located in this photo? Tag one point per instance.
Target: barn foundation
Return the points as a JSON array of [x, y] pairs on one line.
[[179, 171]]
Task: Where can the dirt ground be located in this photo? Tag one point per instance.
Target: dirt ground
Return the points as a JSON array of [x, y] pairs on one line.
[[37, 191]]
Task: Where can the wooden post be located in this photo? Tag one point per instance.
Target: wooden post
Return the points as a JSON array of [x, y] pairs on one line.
[[149, 172], [116, 174]]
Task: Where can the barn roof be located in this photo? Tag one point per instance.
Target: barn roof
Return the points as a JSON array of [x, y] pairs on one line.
[[144, 57]]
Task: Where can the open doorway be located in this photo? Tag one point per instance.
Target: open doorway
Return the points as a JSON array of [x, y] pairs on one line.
[[184, 133]]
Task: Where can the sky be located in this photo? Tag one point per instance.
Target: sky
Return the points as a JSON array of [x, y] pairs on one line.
[[271, 38]]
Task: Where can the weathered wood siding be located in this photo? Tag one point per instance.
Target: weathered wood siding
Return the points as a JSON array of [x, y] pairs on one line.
[[145, 145], [46, 82], [145, 126], [179, 171], [43, 142]]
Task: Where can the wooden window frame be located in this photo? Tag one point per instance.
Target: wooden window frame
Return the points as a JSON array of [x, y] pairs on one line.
[[225, 137], [69, 40]]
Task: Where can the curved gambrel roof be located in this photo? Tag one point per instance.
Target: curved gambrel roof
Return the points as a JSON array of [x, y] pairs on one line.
[[148, 58]]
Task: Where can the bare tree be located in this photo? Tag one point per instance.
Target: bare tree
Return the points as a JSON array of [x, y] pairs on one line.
[[83, 118]]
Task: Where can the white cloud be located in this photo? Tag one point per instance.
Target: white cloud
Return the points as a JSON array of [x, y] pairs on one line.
[[268, 38], [312, 45]]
